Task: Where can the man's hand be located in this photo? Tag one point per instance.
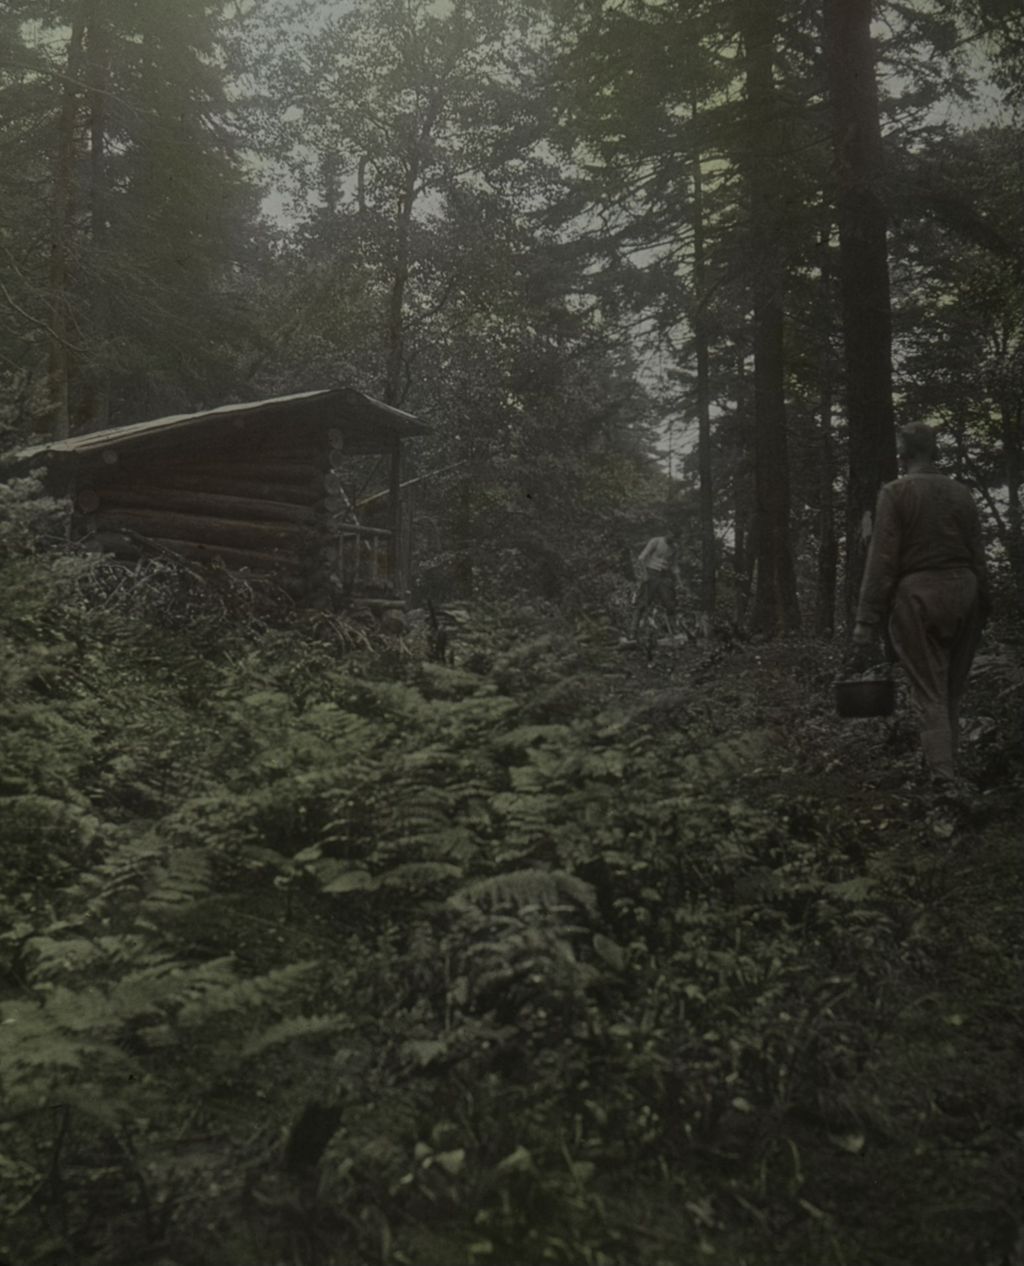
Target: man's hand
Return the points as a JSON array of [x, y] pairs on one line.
[[863, 652], [864, 634]]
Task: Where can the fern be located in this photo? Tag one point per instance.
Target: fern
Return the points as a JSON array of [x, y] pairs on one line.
[[294, 1029], [181, 878], [519, 889], [42, 1047], [418, 875], [216, 990], [727, 758], [526, 737]]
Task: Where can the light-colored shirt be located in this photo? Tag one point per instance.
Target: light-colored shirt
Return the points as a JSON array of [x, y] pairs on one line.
[[923, 522], [658, 554]]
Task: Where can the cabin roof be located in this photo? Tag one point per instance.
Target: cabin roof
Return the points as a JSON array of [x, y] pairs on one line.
[[333, 406]]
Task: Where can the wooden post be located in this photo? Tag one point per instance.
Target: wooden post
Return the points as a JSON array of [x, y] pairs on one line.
[[395, 518], [407, 515], [324, 551]]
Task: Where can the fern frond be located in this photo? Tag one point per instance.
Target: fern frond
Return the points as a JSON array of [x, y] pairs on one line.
[[182, 878], [68, 1034], [224, 992], [518, 889], [294, 1029], [529, 736], [727, 758], [413, 875]]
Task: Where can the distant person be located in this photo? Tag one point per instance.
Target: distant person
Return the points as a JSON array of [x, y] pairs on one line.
[[659, 572], [926, 574]]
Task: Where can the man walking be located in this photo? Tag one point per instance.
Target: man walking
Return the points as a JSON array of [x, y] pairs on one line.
[[926, 572], [659, 567]]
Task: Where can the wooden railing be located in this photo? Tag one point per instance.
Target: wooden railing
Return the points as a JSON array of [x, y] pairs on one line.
[[366, 558]]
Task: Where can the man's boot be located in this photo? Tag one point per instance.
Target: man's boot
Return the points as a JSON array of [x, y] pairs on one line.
[[937, 746]]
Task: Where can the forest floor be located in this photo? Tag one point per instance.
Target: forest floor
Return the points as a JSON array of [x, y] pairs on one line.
[[933, 1165], [321, 954]]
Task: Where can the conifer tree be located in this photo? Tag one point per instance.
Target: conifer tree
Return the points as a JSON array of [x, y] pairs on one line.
[[145, 203]]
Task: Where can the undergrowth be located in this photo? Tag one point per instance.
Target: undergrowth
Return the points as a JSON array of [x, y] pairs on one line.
[[320, 953]]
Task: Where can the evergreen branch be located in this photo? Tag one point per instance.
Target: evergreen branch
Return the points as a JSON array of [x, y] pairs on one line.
[[40, 324], [66, 80]]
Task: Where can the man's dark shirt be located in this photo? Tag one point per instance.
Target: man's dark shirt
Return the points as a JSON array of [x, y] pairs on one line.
[[923, 522]]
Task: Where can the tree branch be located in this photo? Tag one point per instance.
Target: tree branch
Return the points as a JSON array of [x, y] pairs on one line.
[[39, 324]]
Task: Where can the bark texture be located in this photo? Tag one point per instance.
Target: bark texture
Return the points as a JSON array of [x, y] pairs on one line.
[[775, 598], [863, 270]]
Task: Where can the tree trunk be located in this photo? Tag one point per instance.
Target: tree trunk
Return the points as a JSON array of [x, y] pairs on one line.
[[828, 543], [61, 230], [700, 334], [97, 407], [775, 599], [743, 554], [395, 335], [864, 271], [743, 502], [394, 389], [465, 538], [395, 511], [828, 539], [1013, 465]]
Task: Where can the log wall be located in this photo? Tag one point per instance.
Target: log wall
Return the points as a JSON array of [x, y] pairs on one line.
[[263, 502]]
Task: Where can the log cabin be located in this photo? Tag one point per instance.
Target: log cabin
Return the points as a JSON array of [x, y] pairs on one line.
[[302, 490]]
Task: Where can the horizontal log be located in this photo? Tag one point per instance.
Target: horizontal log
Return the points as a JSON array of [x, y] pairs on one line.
[[205, 530], [349, 530], [120, 544], [364, 446], [288, 571], [134, 546], [300, 454], [189, 481], [272, 470], [190, 500]]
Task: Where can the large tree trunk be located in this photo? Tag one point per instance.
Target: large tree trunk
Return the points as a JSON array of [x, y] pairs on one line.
[[775, 600], [700, 333], [61, 232], [864, 271]]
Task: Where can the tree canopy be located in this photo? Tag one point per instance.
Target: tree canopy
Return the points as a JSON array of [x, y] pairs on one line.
[[567, 234]]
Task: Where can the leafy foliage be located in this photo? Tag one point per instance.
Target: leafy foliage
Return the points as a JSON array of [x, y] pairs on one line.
[[334, 958]]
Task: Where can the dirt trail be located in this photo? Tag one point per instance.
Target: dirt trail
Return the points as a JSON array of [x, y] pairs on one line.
[[923, 1154]]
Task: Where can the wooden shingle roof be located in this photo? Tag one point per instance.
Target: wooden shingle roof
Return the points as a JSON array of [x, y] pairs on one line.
[[332, 407]]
